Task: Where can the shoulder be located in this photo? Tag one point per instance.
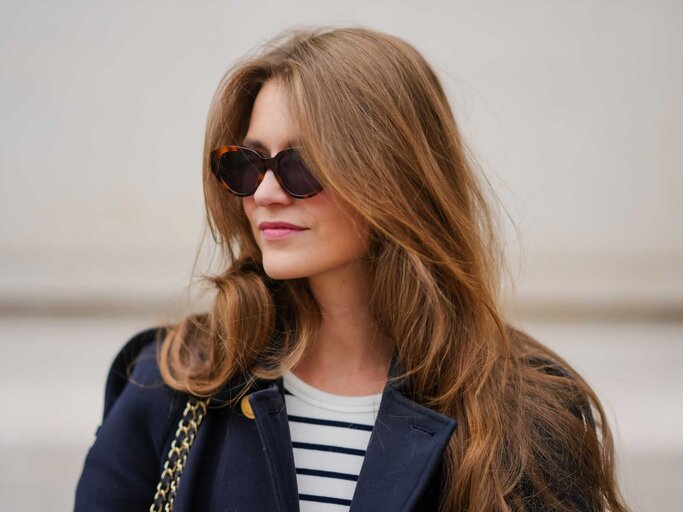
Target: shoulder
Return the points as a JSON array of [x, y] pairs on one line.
[[135, 390], [558, 379], [562, 438], [140, 414], [135, 363], [548, 379], [134, 381]]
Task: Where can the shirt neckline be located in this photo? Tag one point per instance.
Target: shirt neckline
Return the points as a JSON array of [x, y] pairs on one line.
[[320, 398]]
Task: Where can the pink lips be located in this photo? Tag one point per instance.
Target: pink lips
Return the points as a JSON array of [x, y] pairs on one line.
[[278, 230]]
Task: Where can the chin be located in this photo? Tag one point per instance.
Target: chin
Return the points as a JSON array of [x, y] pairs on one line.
[[283, 271]]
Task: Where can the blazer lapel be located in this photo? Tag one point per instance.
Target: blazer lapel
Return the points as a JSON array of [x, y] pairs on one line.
[[272, 425], [405, 448]]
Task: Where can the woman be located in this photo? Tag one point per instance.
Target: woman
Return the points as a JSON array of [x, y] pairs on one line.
[[355, 356]]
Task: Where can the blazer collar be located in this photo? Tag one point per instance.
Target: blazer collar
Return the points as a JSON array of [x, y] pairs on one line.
[[405, 447]]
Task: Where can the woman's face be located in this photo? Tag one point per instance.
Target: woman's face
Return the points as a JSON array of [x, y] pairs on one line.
[[333, 237]]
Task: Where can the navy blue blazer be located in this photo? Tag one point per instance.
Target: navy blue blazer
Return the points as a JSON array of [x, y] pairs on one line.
[[240, 464]]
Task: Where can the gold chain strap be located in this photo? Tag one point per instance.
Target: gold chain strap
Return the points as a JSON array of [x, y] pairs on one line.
[[194, 413]]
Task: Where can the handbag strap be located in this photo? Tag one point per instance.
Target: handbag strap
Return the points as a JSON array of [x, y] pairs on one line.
[[185, 434]]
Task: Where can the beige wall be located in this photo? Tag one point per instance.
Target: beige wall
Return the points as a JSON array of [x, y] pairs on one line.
[[574, 109]]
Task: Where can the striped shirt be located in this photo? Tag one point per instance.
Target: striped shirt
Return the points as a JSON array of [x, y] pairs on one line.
[[330, 434]]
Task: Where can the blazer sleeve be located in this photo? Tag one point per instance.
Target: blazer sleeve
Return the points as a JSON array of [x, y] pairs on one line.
[[123, 466]]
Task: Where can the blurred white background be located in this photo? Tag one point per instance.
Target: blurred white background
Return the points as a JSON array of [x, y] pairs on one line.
[[573, 108]]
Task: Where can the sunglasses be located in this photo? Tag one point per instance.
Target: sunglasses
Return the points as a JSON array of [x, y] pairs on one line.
[[242, 169]]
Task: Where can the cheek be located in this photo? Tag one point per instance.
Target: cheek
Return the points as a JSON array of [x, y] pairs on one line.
[[346, 231], [248, 207], [360, 237], [347, 236]]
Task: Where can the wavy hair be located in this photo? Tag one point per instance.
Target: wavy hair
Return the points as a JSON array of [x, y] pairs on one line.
[[377, 130]]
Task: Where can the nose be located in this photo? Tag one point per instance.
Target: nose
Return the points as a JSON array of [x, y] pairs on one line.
[[269, 191]]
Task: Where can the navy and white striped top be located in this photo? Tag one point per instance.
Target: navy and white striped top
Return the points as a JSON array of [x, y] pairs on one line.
[[330, 434]]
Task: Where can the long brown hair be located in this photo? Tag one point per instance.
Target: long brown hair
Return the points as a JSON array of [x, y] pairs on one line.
[[377, 130]]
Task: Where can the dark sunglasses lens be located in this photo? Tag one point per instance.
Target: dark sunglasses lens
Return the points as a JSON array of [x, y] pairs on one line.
[[296, 178], [239, 170]]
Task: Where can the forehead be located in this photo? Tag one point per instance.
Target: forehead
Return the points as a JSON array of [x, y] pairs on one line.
[[272, 125]]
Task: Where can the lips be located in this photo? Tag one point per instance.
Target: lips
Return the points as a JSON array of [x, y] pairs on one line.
[[277, 230], [279, 225]]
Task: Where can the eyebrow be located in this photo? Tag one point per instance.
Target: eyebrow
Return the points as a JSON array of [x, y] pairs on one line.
[[257, 144]]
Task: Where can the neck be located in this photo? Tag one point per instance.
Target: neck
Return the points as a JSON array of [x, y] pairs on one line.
[[350, 356]]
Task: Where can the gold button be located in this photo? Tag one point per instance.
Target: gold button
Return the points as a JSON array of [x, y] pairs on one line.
[[246, 407]]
